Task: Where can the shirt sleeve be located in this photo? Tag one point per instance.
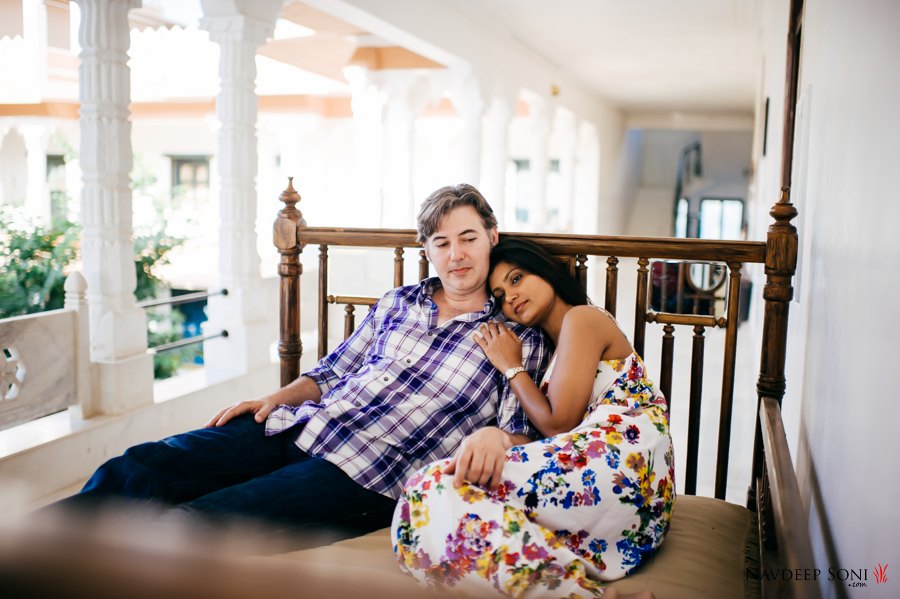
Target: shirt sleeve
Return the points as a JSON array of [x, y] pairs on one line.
[[349, 356], [511, 416]]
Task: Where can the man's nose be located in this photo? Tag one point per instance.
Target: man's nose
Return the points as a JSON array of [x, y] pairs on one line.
[[456, 252]]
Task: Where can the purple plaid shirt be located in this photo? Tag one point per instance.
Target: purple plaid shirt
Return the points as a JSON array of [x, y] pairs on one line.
[[402, 391]]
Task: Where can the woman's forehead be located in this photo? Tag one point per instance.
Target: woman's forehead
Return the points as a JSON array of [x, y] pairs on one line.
[[499, 273]]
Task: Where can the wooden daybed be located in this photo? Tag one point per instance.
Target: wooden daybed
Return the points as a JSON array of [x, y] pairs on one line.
[[714, 548]]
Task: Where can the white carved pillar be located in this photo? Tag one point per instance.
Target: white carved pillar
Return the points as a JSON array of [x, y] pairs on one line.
[[405, 98], [469, 102], [238, 30], [495, 159], [37, 199], [539, 160], [118, 328], [568, 144], [367, 100], [593, 211], [4, 130]]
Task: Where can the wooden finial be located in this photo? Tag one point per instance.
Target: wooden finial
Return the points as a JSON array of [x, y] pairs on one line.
[[290, 197], [783, 211], [289, 219]]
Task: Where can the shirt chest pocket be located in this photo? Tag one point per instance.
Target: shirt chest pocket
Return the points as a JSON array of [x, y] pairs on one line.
[[396, 340]]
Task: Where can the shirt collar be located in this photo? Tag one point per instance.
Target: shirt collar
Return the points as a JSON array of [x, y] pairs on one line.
[[429, 286]]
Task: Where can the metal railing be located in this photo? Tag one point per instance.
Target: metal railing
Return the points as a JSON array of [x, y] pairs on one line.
[[183, 299]]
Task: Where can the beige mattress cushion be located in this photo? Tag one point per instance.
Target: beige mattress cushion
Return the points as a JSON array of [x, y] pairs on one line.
[[704, 554]]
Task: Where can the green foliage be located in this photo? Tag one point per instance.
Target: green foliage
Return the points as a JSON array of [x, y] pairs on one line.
[[151, 251], [164, 324], [32, 265]]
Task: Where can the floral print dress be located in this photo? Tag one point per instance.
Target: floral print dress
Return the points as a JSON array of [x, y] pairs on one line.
[[571, 511]]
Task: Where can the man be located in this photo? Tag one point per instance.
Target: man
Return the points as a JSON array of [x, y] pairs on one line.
[[333, 448]]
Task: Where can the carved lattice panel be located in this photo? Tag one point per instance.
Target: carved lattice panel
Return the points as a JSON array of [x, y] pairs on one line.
[[37, 365], [12, 373]]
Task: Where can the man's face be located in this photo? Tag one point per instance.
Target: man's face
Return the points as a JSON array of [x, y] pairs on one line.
[[459, 251]]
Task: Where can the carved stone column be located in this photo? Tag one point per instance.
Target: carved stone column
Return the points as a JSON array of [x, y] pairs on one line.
[[539, 162], [593, 213], [4, 130], [118, 328], [238, 30], [568, 145], [469, 102], [495, 159], [405, 99], [37, 199], [367, 100]]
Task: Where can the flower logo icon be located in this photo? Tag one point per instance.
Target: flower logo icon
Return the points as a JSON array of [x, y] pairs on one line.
[[881, 573]]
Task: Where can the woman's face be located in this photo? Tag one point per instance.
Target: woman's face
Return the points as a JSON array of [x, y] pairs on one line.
[[525, 298]]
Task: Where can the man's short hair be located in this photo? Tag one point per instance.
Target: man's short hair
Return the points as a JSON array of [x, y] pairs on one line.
[[441, 202]]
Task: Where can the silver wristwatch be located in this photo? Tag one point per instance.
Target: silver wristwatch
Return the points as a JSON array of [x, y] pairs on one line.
[[511, 372]]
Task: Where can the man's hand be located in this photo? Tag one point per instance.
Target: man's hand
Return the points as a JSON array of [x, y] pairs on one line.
[[300, 390], [259, 407], [480, 458]]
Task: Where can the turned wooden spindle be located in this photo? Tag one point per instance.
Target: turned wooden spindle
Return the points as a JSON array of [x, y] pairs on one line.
[[693, 441], [612, 284], [323, 301], [398, 266], [640, 306], [287, 235]]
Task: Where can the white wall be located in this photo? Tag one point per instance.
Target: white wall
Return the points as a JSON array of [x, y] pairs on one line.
[[841, 348]]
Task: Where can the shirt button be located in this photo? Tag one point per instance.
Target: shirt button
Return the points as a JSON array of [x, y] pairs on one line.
[[408, 361], [386, 379]]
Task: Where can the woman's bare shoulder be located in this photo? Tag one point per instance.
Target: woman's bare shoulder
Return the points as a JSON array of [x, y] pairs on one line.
[[580, 316]]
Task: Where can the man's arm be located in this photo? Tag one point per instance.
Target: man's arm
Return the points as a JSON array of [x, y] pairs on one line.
[[310, 386], [300, 390]]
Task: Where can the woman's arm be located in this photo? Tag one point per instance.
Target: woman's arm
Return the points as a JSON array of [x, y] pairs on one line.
[[586, 333]]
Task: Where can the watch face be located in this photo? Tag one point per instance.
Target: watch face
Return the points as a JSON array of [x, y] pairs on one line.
[[511, 372]]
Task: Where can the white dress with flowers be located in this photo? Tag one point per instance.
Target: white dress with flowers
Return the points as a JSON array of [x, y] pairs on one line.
[[572, 510]]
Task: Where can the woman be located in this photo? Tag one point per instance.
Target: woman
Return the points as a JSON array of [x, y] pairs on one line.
[[586, 504]]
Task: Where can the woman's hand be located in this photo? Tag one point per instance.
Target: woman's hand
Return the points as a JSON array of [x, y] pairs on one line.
[[502, 347]]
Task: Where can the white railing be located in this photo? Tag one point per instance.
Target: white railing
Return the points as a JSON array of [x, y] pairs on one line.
[[45, 360]]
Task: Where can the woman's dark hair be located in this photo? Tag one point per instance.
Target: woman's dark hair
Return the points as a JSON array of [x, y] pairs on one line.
[[534, 259]]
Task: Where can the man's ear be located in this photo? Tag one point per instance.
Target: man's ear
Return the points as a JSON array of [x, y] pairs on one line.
[[425, 249], [495, 236]]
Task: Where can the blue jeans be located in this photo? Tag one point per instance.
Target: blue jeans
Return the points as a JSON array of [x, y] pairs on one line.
[[235, 470]]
